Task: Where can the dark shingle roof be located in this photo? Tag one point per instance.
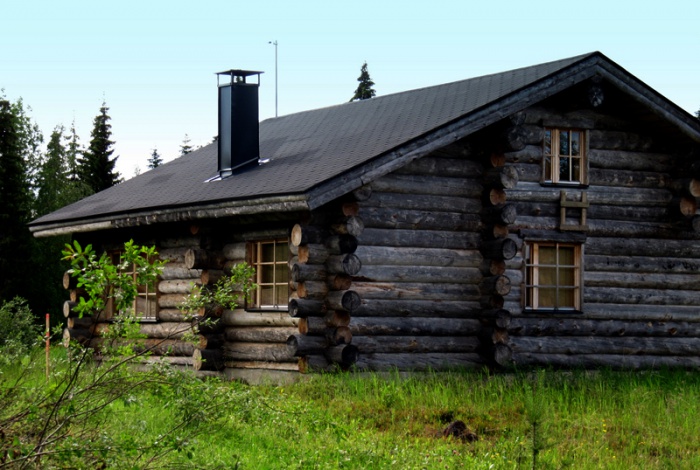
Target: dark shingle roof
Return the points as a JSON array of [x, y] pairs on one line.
[[307, 148]]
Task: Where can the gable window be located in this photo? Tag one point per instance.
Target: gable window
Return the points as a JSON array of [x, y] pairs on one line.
[[553, 276], [564, 156], [270, 259], [145, 304]]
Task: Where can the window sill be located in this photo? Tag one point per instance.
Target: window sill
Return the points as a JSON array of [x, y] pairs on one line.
[[552, 311], [564, 184]]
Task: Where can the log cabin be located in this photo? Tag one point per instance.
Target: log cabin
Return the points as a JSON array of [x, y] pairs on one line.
[[541, 216]]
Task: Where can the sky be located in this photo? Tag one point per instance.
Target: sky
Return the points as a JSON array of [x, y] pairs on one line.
[[154, 62]]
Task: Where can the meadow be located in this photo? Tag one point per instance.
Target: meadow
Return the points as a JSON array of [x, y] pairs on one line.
[[117, 418]]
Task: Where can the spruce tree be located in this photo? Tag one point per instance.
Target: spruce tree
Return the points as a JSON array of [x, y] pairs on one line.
[[364, 89], [15, 204], [185, 147], [155, 161], [96, 167]]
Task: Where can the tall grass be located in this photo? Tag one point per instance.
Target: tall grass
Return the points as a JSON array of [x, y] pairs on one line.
[[604, 419]]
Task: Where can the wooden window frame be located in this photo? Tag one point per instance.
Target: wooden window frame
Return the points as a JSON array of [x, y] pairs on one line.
[[151, 295], [255, 254], [531, 286], [555, 157]]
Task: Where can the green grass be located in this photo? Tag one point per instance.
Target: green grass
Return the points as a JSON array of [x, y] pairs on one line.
[[603, 419]]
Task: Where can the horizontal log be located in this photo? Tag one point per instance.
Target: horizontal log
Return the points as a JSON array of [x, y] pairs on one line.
[[259, 334], [500, 249], [438, 166], [313, 253], [347, 301], [494, 197], [173, 255], [419, 238], [178, 242], [300, 308], [315, 363], [78, 335], [417, 308], [493, 267], [69, 309], [606, 228], [198, 258], [401, 326], [635, 312], [396, 218], [158, 347], [426, 184], [419, 362], [177, 315], [635, 179], [500, 285], [243, 318], [409, 256], [69, 281], [235, 251], [603, 196], [76, 294], [339, 281], [353, 226], [502, 355], [308, 272], [640, 264], [208, 359], [179, 271], [345, 354], [79, 323], [268, 352], [524, 326], [306, 234], [348, 264], [171, 300], [163, 330], [177, 286], [649, 246], [362, 193], [629, 160], [626, 345], [172, 361], [416, 344], [645, 296], [270, 366], [423, 202], [426, 274], [503, 214], [416, 290], [622, 140], [211, 276], [341, 244], [501, 177], [613, 361], [685, 281], [317, 290], [302, 345]]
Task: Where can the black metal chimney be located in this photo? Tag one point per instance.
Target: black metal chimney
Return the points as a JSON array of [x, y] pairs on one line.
[[239, 142]]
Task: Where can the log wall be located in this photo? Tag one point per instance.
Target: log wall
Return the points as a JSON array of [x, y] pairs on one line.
[[641, 261]]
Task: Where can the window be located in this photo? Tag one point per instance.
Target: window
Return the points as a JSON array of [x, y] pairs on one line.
[[553, 276], [564, 156], [271, 262], [145, 304]]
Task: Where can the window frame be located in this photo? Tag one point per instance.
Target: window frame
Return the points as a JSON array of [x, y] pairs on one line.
[[555, 157], [254, 255], [149, 293], [531, 297]]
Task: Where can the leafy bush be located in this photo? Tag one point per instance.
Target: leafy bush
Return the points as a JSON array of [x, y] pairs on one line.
[[18, 332]]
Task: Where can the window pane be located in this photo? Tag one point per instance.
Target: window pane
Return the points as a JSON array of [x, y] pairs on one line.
[[268, 253], [547, 297], [548, 255], [564, 169], [267, 295], [566, 255], [575, 143], [282, 295], [576, 169], [547, 169], [548, 277], [281, 250], [267, 273], [547, 142], [564, 143], [566, 298]]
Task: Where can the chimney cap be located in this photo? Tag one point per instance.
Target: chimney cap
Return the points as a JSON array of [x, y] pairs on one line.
[[237, 76]]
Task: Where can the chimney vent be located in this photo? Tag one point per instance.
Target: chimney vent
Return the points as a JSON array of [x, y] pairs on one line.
[[239, 141]]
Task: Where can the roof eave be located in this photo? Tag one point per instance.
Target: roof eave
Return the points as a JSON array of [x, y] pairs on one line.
[[289, 203]]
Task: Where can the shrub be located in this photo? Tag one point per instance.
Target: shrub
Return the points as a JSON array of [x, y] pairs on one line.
[[18, 331]]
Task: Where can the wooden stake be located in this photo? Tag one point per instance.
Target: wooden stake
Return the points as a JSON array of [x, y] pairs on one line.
[[47, 346]]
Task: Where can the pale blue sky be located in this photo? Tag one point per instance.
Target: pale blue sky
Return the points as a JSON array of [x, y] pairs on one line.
[[154, 62]]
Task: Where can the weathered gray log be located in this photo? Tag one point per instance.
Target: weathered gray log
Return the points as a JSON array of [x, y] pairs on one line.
[[396, 218], [417, 308], [173, 255], [628, 296], [613, 196], [524, 326], [185, 362], [163, 330], [636, 312], [171, 300], [197, 258], [177, 242], [426, 184], [651, 346], [305, 234], [176, 315], [313, 253], [235, 251], [504, 214], [308, 272], [362, 193], [341, 244], [348, 264], [648, 246], [618, 140], [302, 345], [177, 286], [345, 354], [299, 308], [270, 352], [179, 271], [208, 359], [349, 226], [496, 284], [402, 326], [158, 347], [211, 276], [419, 238], [339, 335], [449, 167], [644, 280], [502, 354], [502, 177], [419, 362], [640, 264], [409, 256], [423, 202], [259, 334], [630, 160], [628, 178], [348, 301], [492, 301], [614, 361], [416, 290], [79, 335], [494, 197], [493, 267], [500, 249], [314, 363], [243, 318], [79, 323], [426, 274], [233, 365], [416, 344]]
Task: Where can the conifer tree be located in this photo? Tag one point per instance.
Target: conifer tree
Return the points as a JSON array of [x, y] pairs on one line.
[[73, 153], [185, 147], [156, 160], [96, 167], [364, 89]]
